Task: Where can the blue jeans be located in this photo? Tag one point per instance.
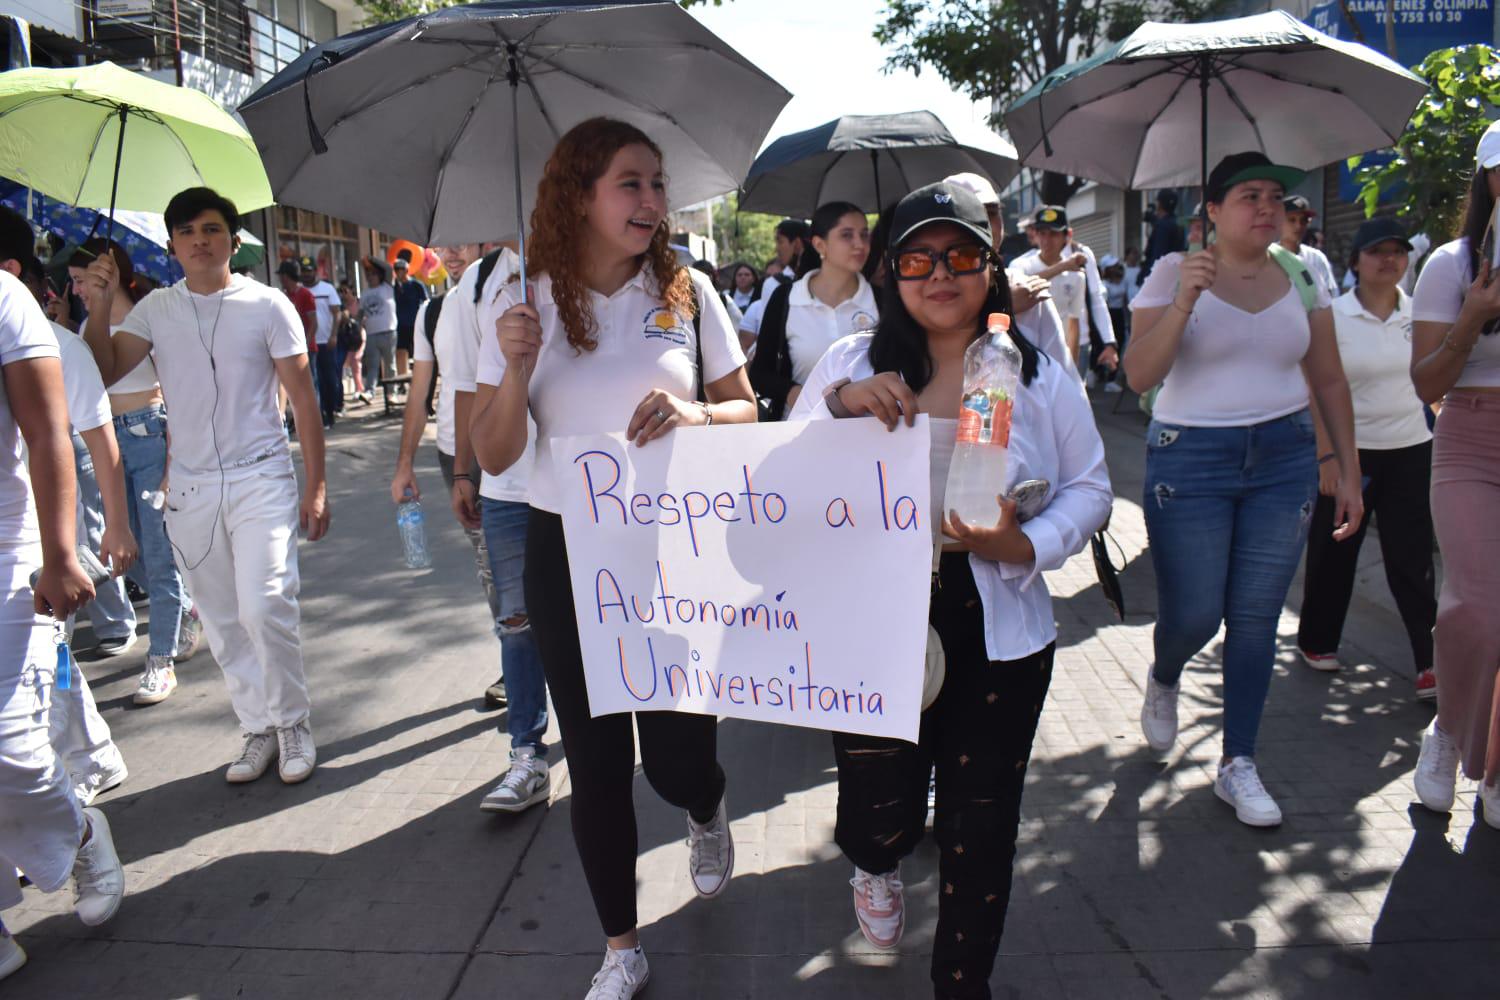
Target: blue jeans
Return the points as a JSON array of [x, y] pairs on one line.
[[328, 377], [142, 435], [1227, 510], [525, 685], [109, 612]]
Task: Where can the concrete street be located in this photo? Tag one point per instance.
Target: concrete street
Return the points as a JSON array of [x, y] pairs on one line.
[[379, 878]]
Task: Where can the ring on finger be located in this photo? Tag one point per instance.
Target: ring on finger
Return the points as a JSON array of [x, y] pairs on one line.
[[661, 415]]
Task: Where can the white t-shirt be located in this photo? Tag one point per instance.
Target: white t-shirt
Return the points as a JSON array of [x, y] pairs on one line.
[[1067, 288], [742, 299], [812, 327], [327, 298], [377, 309], [750, 323], [24, 334], [1317, 262], [514, 484], [1377, 362], [1114, 293], [1441, 288], [1053, 437], [216, 357], [88, 403], [641, 346], [1234, 368]]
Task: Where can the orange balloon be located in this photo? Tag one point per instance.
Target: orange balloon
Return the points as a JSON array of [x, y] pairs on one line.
[[413, 253]]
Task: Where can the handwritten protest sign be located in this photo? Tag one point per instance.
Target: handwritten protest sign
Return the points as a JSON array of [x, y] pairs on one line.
[[777, 572]]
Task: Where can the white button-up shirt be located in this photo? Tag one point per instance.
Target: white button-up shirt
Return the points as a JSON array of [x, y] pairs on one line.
[[1052, 437], [813, 326]]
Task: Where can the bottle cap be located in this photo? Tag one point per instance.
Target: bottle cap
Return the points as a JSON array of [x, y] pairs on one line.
[[997, 319]]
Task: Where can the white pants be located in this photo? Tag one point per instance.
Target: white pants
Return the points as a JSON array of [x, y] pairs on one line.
[[40, 821], [77, 731], [237, 549]]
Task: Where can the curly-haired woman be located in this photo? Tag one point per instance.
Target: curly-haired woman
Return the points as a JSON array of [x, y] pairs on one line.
[[571, 352]]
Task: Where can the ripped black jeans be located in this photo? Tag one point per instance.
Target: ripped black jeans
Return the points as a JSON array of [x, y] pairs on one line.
[[978, 735], [1227, 512]]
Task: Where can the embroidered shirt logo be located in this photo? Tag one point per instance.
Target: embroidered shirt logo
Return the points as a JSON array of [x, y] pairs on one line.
[[664, 324], [862, 322]]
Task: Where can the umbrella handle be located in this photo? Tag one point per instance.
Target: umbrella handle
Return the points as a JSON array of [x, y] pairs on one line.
[[513, 76], [114, 184]]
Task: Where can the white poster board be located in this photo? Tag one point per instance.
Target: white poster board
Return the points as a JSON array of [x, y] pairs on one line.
[[777, 572]]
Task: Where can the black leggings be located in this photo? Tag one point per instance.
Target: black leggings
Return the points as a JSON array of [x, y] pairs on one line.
[[678, 751], [978, 734]]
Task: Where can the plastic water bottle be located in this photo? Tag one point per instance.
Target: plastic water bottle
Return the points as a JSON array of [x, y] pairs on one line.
[[155, 499], [992, 371], [413, 530]]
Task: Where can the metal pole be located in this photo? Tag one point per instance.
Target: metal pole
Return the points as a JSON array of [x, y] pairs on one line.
[[875, 165], [514, 76], [114, 185], [1204, 68]]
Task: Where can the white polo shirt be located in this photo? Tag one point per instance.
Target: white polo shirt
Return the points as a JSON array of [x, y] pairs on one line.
[[813, 326], [641, 346], [1377, 363], [514, 484], [24, 335], [88, 404]]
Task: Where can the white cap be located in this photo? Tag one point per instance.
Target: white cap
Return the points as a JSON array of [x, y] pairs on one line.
[[980, 186], [1108, 261], [1489, 147]]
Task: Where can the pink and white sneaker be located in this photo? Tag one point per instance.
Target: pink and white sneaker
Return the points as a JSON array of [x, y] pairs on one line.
[[1326, 662], [879, 907], [1427, 685]]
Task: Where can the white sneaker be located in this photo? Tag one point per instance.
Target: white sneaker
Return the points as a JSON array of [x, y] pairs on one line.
[[1239, 785], [1437, 769], [299, 755], [710, 853], [116, 645], [12, 957], [254, 759], [99, 780], [1489, 802], [1159, 714], [623, 975], [880, 907], [526, 783], [98, 877], [1112, 387], [158, 681], [189, 634]]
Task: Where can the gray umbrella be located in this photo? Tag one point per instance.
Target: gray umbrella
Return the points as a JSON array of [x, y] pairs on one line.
[[867, 160], [424, 127], [1153, 109]]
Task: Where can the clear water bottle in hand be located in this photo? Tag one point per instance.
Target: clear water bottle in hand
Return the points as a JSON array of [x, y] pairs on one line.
[[413, 530], [992, 371]]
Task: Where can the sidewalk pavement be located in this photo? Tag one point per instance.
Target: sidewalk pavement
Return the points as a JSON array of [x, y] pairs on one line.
[[379, 877]]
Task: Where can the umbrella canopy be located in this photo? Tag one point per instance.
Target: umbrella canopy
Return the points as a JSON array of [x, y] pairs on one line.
[[410, 127], [868, 160], [142, 235], [1147, 111], [101, 136]]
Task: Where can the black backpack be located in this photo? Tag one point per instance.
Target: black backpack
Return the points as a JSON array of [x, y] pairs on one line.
[[429, 327]]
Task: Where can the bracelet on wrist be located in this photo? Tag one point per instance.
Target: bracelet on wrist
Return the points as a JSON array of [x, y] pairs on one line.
[[1185, 312], [708, 415], [1325, 459], [464, 476], [1456, 348]]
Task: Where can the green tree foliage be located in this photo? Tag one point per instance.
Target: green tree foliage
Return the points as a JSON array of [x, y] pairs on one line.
[[1434, 159], [382, 11], [747, 236]]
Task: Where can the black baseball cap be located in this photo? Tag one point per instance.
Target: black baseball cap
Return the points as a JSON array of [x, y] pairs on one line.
[[289, 268], [1053, 217], [1253, 166], [940, 202], [1297, 203], [1375, 231]]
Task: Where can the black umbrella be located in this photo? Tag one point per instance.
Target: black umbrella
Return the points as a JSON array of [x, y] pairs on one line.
[[419, 127], [865, 158]]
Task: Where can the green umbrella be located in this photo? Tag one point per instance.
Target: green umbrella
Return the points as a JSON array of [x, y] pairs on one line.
[[103, 137]]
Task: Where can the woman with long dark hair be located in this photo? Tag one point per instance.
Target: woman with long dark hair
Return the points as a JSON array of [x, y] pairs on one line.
[[570, 353], [1231, 462], [744, 285], [1455, 358], [990, 607]]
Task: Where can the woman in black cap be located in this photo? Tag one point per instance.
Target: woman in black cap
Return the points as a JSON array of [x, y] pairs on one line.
[[990, 607], [1373, 325], [1231, 465]]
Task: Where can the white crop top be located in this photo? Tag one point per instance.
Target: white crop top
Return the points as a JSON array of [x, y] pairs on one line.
[[1441, 288], [139, 379], [1234, 368]]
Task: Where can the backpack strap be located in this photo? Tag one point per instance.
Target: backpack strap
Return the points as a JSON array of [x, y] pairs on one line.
[[430, 319], [771, 368], [486, 265], [1299, 274]]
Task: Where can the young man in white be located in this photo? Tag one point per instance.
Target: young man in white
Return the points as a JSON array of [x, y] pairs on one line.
[[1299, 216], [221, 342], [46, 834]]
